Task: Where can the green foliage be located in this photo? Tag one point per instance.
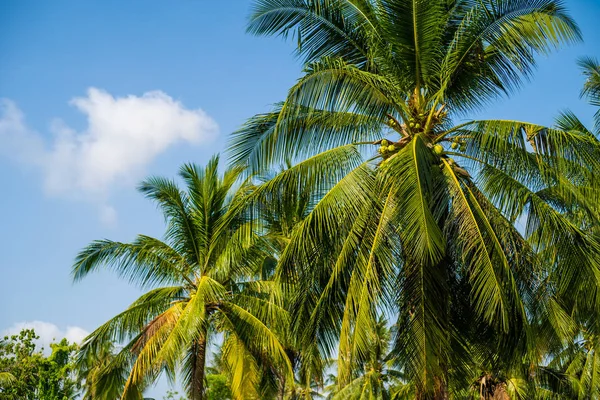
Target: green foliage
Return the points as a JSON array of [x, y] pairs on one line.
[[374, 377], [217, 387], [19, 358], [173, 395], [28, 374]]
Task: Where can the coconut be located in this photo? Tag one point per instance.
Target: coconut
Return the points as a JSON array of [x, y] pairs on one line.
[[384, 142], [438, 149], [391, 147]]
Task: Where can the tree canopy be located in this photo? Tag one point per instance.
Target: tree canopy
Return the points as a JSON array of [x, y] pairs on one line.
[[27, 374]]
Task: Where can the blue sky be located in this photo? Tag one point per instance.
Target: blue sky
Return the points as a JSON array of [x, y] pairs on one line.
[[60, 188]]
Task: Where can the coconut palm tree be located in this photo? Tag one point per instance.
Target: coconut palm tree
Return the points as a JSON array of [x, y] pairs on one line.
[[201, 279], [578, 361], [375, 378], [571, 345], [103, 376], [418, 215], [578, 365]]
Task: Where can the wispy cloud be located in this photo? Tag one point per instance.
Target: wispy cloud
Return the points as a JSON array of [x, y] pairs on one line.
[[48, 332], [122, 137]]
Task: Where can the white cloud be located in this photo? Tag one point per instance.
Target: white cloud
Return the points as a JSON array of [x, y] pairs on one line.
[[122, 137], [16, 140], [48, 332]]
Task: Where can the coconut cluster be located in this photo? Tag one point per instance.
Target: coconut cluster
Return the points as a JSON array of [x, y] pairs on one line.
[[418, 120], [415, 124], [387, 148], [459, 144]]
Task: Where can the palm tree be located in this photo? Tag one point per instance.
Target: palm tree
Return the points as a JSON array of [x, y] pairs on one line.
[[570, 345], [426, 226], [578, 364], [376, 379], [200, 279], [578, 361], [102, 374]]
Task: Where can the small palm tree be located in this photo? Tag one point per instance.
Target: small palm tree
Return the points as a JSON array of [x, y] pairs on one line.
[[579, 364], [416, 214], [103, 376], [202, 278], [375, 378], [6, 378]]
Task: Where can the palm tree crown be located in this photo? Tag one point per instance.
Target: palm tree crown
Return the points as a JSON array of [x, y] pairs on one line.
[[202, 278], [426, 226]]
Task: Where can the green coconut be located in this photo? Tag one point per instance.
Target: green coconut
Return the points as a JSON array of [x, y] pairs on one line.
[[438, 149]]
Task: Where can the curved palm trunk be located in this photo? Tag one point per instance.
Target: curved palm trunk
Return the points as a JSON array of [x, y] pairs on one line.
[[197, 391]]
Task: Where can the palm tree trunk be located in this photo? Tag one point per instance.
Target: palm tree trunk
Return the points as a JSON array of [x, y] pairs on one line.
[[441, 389], [197, 385], [281, 389]]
